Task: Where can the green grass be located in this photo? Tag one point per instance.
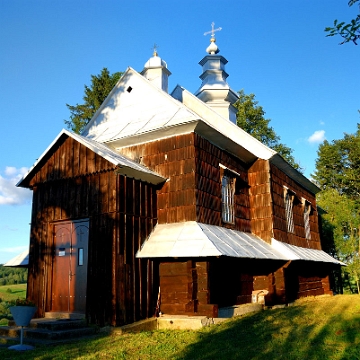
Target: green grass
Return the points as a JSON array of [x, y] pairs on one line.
[[17, 291], [322, 328]]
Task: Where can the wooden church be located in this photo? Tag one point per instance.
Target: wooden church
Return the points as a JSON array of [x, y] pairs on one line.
[[164, 196]]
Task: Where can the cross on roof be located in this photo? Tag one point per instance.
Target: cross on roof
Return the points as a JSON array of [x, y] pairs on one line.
[[212, 32], [154, 48]]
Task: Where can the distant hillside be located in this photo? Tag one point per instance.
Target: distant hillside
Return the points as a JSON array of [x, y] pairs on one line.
[[12, 275]]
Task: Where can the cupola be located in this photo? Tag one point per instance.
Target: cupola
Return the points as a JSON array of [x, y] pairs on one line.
[[156, 71], [214, 90]]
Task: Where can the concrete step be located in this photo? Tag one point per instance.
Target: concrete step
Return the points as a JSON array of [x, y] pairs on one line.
[[48, 331], [54, 325]]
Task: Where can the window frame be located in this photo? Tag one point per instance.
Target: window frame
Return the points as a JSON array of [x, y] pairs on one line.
[[307, 212], [228, 189], [289, 197]]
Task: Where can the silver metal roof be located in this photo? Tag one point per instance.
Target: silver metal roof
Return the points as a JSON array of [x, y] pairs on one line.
[[126, 166], [193, 239], [299, 253], [21, 260]]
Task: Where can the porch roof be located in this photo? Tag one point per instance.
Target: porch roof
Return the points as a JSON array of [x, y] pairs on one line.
[[193, 239], [21, 260]]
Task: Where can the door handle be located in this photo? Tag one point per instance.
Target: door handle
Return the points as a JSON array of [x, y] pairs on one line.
[[71, 275]]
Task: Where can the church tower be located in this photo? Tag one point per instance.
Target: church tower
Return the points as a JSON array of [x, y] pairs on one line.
[[214, 90], [156, 71]]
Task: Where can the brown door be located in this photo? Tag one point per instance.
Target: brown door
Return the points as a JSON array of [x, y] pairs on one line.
[[70, 266]]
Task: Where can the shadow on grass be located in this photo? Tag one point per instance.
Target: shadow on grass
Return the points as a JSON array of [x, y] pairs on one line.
[[291, 333]]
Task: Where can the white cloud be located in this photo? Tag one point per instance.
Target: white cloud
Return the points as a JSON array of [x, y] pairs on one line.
[[317, 137], [9, 193]]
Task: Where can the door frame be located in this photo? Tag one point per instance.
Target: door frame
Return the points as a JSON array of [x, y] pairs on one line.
[[73, 225]]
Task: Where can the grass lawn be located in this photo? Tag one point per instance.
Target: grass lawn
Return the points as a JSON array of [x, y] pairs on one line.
[[17, 291], [322, 328]]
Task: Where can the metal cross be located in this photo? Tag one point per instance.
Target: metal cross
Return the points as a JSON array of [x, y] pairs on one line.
[[154, 48], [212, 32]]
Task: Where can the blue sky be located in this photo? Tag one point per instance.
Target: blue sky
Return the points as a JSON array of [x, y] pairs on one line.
[[306, 83]]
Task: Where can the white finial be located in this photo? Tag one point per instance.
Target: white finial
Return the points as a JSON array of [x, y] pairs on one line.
[[212, 48]]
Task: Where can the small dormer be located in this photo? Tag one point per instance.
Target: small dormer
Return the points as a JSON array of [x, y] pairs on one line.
[[156, 71], [214, 90]]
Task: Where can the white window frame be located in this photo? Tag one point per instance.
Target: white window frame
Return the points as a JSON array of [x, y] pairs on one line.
[[307, 212], [228, 180], [289, 197]]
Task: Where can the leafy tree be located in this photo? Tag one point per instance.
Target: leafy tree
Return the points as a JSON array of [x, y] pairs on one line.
[[95, 94], [338, 175], [343, 214], [338, 165], [349, 32], [250, 117]]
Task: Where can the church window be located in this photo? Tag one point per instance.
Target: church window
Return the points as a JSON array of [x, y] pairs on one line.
[[307, 211], [289, 204], [228, 180]]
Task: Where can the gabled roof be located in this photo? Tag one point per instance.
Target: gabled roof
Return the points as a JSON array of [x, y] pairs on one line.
[[136, 111], [193, 239], [134, 108], [125, 166], [147, 113]]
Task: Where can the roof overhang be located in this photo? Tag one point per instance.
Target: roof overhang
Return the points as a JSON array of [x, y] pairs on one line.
[[193, 239], [296, 175], [299, 253], [124, 165]]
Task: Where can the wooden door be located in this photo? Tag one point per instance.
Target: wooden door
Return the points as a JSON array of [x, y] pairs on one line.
[[70, 266]]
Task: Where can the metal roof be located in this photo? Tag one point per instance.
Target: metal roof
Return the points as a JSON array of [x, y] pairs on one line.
[[193, 239], [126, 166], [299, 253], [21, 260]]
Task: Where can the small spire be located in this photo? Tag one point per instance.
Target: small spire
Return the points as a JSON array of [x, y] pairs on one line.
[[212, 49]]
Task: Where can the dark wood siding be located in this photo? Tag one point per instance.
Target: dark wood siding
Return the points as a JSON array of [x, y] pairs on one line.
[[75, 183], [278, 180], [173, 158], [193, 190], [261, 200], [208, 186]]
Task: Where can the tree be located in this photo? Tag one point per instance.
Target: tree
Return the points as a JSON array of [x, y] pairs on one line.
[[338, 175], [250, 117], [95, 94], [338, 165], [349, 32], [343, 215]]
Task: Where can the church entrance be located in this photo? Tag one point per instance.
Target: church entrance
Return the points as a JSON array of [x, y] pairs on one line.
[[69, 278]]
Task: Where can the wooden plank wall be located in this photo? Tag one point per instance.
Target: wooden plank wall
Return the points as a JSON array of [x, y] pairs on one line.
[[173, 158], [122, 213], [261, 200], [193, 190], [185, 288], [278, 180], [208, 185]]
